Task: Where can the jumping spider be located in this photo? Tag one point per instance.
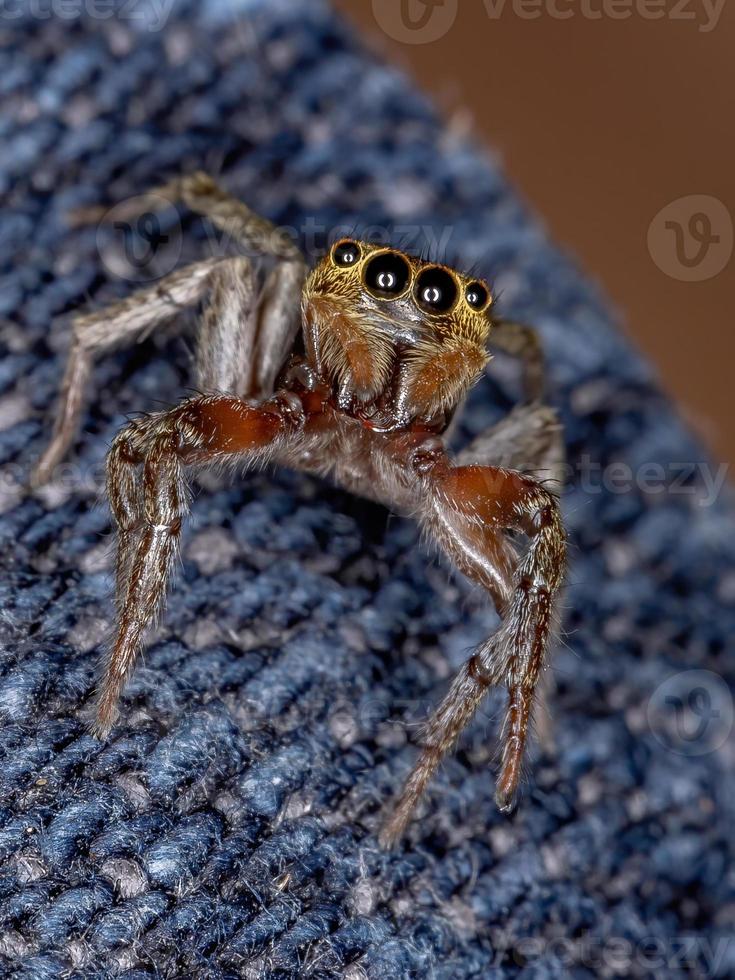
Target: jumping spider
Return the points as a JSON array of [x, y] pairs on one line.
[[392, 345]]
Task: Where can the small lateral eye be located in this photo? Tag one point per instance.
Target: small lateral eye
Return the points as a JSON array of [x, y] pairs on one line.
[[477, 296], [387, 275], [436, 290], [346, 253]]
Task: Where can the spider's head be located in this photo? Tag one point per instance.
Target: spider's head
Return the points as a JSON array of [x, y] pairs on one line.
[[389, 328]]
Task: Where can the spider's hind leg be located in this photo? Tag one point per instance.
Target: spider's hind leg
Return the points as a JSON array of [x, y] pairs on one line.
[[280, 299], [521, 341], [529, 439], [201, 193], [245, 335], [228, 330], [246, 332]]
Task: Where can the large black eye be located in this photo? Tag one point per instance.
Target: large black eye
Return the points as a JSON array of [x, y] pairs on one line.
[[477, 296], [346, 253], [387, 275], [436, 291]]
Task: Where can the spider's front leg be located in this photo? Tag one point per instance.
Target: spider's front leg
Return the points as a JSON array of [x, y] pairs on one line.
[[467, 509], [148, 494]]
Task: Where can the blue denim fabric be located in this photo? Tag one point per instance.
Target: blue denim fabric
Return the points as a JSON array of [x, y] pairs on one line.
[[227, 828]]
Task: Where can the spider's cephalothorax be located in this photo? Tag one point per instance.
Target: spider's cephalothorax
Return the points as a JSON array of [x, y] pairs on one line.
[[391, 345], [400, 338]]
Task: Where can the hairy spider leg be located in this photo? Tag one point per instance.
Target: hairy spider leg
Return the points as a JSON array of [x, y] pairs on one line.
[[467, 509], [146, 483], [246, 330]]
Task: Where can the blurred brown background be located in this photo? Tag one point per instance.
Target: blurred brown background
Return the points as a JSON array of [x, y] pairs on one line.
[[601, 123]]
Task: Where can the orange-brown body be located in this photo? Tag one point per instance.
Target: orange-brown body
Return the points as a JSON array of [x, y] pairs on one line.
[[391, 345]]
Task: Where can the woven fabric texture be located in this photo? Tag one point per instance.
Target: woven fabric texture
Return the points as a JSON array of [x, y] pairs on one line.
[[227, 827]]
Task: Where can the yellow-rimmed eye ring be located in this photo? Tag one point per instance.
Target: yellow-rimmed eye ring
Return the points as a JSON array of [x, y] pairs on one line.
[[387, 275], [477, 296], [346, 253], [436, 290]]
